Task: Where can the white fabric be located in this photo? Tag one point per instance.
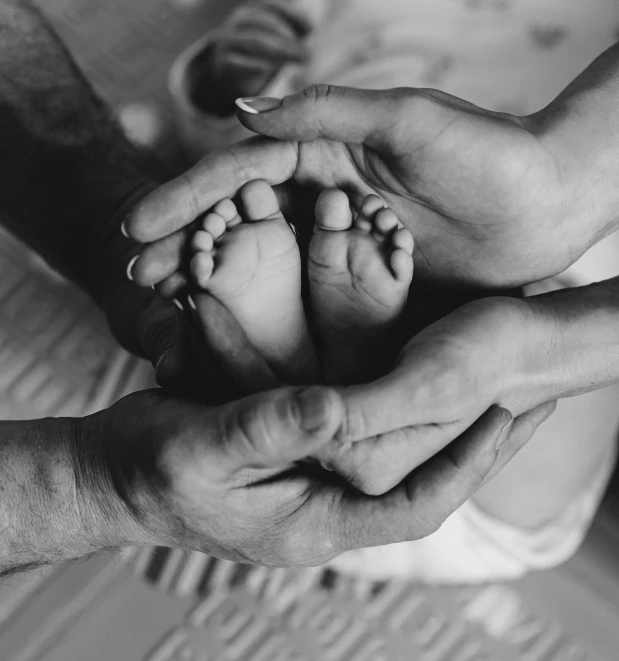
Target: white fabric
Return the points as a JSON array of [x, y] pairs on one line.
[[474, 547]]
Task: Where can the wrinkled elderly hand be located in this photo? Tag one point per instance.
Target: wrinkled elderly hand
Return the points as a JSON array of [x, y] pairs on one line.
[[226, 481]]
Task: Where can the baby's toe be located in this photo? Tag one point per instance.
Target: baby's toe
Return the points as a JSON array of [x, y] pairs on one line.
[[403, 240], [228, 211], [333, 211], [402, 266], [385, 223], [368, 209], [259, 201], [214, 224], [201, 267], [202, 241]]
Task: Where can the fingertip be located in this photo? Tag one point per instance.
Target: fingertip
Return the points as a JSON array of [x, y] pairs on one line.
[[257, 105], [316, 408], [130, 267], [499, 415], [171, 286]]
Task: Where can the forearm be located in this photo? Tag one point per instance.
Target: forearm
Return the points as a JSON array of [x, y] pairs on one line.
[[53, 487], [581, 130], [575, 341], [68, 174]]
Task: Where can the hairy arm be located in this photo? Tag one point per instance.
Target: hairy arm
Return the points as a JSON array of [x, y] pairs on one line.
[[49, 503], [68, 176]]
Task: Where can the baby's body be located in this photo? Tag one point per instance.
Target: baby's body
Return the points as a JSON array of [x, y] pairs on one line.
[[545, 498]]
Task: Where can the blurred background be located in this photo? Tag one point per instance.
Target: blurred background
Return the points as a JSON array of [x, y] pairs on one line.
[[58, 359]]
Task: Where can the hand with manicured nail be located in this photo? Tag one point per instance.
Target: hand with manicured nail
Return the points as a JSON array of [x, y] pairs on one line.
[[492, 199], [247, 50], [493, 351], [227, 481]]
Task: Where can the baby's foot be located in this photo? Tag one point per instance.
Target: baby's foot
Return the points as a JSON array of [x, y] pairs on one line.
[[252, 265], [359, 276]]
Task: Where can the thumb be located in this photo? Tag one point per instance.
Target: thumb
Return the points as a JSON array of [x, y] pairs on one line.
[[279, 427], [325, 111]]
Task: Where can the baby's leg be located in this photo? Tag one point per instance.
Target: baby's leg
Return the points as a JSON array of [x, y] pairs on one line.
[[568, 455], [359, 275], [250, 262]]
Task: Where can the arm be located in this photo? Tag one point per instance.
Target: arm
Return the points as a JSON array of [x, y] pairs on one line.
[[225, 481], [39, 510], [517, 353], [68, 176]]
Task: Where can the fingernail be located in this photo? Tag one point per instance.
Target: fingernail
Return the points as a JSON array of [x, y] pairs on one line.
[[178, 304], [123, 229], [505, 429], [162, 357], [312, 405], [130, 266], [192, 303], [255, 105]]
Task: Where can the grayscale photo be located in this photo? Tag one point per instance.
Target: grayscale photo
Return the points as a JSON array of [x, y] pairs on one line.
[[309, 330]]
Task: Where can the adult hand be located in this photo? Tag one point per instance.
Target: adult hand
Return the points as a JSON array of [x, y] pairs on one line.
[[227, 481], [490, 198], [487, 195], [148, 325], [493, 351], [246, 51]]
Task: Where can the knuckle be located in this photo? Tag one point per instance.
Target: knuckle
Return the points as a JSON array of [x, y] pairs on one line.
[[419, 495], [319, 93], [297, 549], [354, 426], [250, 433]]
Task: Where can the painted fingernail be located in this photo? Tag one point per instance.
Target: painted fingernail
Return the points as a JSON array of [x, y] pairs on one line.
[[312, 405], [505, 429], [255, 105], [123, 229], [192, 303], [178, 304], [130, 267]]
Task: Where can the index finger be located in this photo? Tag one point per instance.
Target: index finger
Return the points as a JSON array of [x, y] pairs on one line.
[[406, 397], [217, 176]]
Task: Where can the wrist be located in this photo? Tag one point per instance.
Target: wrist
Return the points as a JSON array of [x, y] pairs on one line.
[[47, 509], [578, 339], [579, 129], [106, 519]]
